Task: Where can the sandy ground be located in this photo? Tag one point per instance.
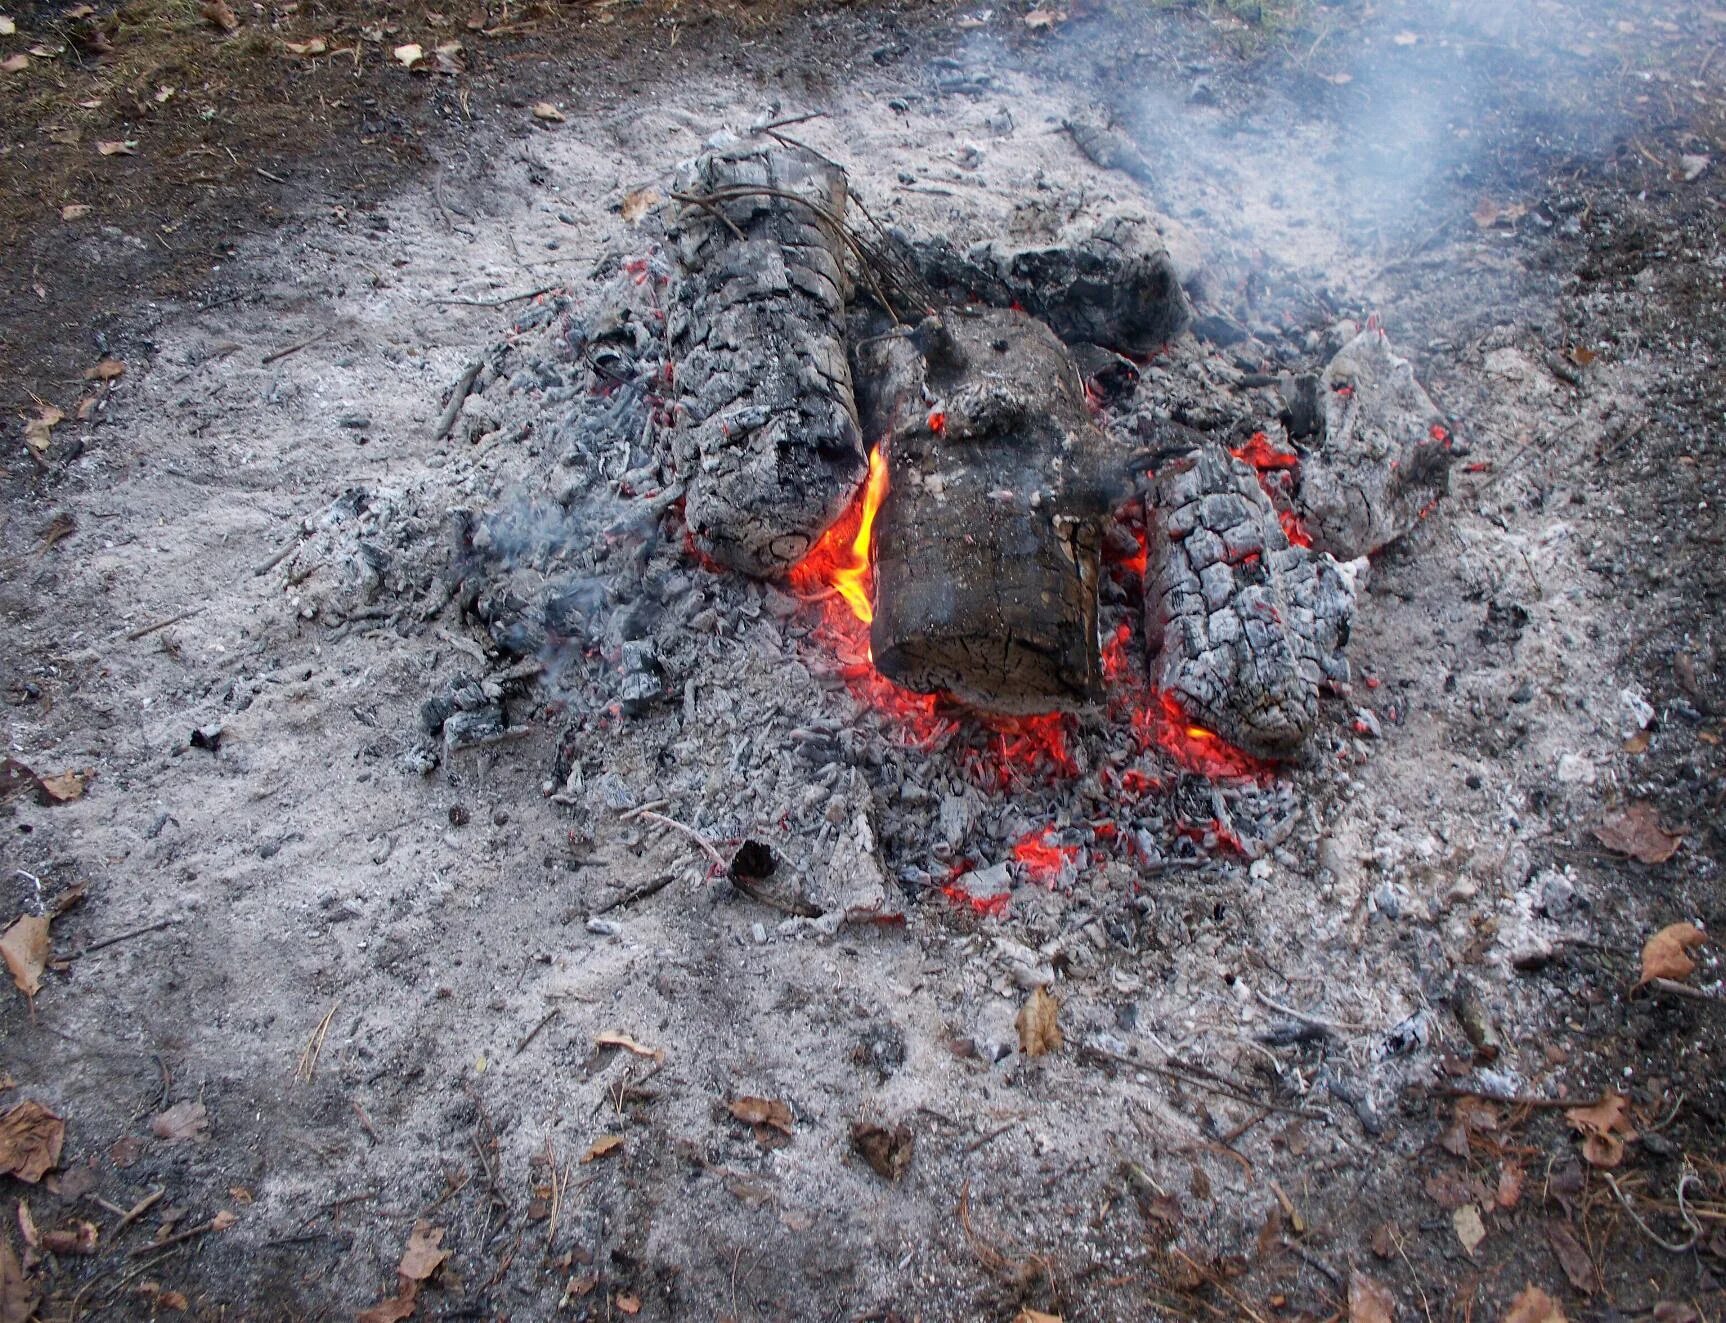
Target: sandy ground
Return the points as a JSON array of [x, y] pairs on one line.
[[383, 989]]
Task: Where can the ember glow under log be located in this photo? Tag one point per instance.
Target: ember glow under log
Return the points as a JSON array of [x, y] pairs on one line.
[[987, 544]]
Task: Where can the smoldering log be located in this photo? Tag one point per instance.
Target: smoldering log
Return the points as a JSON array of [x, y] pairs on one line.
[[767, 435], [1243, 626], [1382, 455], [1106, 281], [987, 544]]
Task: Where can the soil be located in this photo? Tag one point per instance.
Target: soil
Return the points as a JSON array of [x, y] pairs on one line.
[[383, 988]]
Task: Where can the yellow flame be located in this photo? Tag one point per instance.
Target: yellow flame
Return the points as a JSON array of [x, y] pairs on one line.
[[852, 581]]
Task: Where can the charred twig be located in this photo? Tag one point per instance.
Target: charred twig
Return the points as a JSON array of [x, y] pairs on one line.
[[457, 397], [640, 893], [180, 1238], [533, 1033], [707, 846], [295, 348], [137, 1210], [1677, 989], [117, 938], [281, 555], [365, 1121], [499, 303], [144, 631], [1318, 1022]]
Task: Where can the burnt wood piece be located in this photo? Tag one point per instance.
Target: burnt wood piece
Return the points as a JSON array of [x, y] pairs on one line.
[[986, 546], [1382, 456], [1243, 626], [767, 436], [1104, 284]]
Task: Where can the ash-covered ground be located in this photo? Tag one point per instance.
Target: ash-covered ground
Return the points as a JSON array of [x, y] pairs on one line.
[[380, 813]]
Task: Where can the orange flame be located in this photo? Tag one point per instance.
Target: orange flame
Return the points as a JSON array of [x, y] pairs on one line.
[[840, 559]]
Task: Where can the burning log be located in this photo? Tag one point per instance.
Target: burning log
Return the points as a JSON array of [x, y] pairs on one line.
[[1382, 456], [987, 541], [1244, 627], [767, 435], [1107, 282]]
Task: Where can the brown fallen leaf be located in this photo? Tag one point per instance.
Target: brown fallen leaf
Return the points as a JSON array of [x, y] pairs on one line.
[[1488, 213], [544, 110], [312, 46], [36, 430], [1510, 1178], [1384, 1240], [24, 947], [393, 1310], [603, 1147], [1041, 20], [886, 1150], [423, 1256], [1369, 1301], [1605, 1126], [107, 370], [17, 1295], [182, 1122], [628, 1304], [1470, 1230], [75, 211], [218, 15], [63, 787], [1534, 1306], [1029, 1315], [224, 1219], [1581, 355], [1636, 831], [1571, 1256], [125, 1152], [1637, 743], [15, 63], [173, 1300], [1039, 1032], [768, 1112], [118, 147], [30, 1141], [613, 1039], [410, 54], [27, 1226], [636, 204], [79, 1238], [1667, 953]]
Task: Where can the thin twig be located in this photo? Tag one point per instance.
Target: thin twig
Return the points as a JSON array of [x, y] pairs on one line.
[[1347, 1026], [457, 397], [267, 359], [533, 1033], [1683, 1209], [499, 303], [145, 631], [137, 1210], [365, 1121], [308, 1066], [126, 937], [706, 845], [179, 1239], [640, 893], [281, 555]]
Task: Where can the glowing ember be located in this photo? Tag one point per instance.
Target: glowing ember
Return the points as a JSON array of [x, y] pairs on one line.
[[1276, 470], [1043, 859], [1263, 456]]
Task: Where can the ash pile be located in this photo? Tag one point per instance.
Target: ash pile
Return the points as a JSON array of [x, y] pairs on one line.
[[919, 571]]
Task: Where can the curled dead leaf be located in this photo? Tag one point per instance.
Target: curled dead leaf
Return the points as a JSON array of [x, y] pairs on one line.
[[1636, 831], [36, 430], [109, 369], [637, 204], [312, 46], [63, 787], [24, 947], [424, 1255], [613, 1039], [1470, 1230], [603, 1147], [1039, 1031], [181, 1122], [31, 1137], [1604, 1126], [1041, 20], [761, 1111], [410, 54], [627, 1304], [17, 1295], [1369, 1301], [1488, 213], [887, 1150], [1534, 1306], [15, 63], [128, 147], [219, 15], [74, 211], [1667, 953], [79, 1238], [544, 110]]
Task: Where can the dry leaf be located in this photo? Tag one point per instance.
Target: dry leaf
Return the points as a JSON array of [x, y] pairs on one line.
[[1470, 1230], [15, 63], [1041, 20], [1036, 1022], [613, 1039], [63, 787], [1571, 1256], [1534, 1306], [449, 57], [224, 1219], [1384, 1238], [1636, 831], [219, 15], [1488, 213], [17, 1295], [181, 1122], [886, 1150], [173, 1300], [1028, 1315], [393, 1310], [1605, 1125], [410, 54], [313, 46], [603, 1147], [1405, 39], [7, 26], [74, 211], [1667, 953], [546, 111], [240, 1194], [108, 369], [769, 1112], [628, 1304], [636, 205], [79, 1238], [36, 429], [27, 1226], [1510, 1178], [125, 1152], [24, 947], [423, 1257], [30, 1141], [1637, 743], [1369, 1301], [127, 148], [1581, 355]]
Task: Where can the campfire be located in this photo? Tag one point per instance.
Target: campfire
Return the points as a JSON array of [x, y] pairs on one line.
[[1083, 634]]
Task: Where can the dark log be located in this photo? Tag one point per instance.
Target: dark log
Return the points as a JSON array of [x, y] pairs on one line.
[[1243, 626], [767, 437], [987, 544], [1106, 282], [1382, 458]]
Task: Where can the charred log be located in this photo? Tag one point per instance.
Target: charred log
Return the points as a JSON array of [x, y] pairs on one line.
[[1382, 456], [1107, 283], [987, 543], [767, 437], [1244, 627]]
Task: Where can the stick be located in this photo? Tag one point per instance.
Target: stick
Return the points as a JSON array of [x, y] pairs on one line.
[[308, 1066], [365, 1121], [499, 303], [707, 846], [1677, 989], [146, 630], [533, 1033], [457, 397], [267, 359], [281, 555], [126, 937], [642, 892], [137, 1210], [1316, 1021]]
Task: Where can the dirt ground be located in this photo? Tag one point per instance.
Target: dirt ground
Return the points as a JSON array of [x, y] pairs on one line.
[[302, 999]]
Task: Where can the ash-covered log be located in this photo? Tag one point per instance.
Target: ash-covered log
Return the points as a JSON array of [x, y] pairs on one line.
[[987, 543], [767, 437], [1381, 458], [1243, 626]]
